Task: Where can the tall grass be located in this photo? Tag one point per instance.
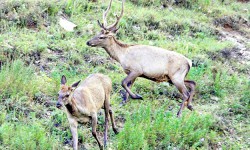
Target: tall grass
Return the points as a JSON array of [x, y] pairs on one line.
[[26, 137], [147, 129], [17, 80]]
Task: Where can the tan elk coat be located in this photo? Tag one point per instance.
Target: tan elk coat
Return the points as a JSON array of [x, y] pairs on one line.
[[149, 62], [83, 101]]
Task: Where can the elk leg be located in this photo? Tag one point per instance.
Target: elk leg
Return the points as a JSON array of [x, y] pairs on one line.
[[106, 109], [94, 124], [125, 99], [191, 85], [112, 121], [73, 128], [132, 76], [183, 90]]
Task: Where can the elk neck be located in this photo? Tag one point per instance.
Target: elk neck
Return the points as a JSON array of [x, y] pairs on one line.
[[116, 50], [71, 106]]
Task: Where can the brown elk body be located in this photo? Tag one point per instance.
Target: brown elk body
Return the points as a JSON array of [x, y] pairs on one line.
[[149, 62], [83, 102]]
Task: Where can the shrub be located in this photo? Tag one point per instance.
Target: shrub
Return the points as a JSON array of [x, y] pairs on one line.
[[17, 80], [26, 137], [146, 129]]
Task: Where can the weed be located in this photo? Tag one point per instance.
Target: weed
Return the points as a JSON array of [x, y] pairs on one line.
[[23, 136], [17, 80]]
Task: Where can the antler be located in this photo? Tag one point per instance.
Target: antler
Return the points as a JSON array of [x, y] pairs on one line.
[[105, 14], [113, 26], [118, 18], [101, 25]]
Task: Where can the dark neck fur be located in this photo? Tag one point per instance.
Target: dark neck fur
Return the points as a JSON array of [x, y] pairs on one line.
[[70, 109], [123, 45]]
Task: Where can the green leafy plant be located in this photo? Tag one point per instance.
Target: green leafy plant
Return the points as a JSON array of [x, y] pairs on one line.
[[23, 136], [18, 80], [146, 129]]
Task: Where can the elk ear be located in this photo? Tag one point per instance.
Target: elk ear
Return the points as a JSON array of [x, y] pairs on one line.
[[75, 84], [115, 30], [63, 80]]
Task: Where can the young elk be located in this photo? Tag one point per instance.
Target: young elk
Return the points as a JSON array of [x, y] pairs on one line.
[[149, 62], [84, 101]]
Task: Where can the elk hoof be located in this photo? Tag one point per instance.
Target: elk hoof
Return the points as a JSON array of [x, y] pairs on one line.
[[137, 96], [101, 147], [190, 107], [116, 131], [179, 114]]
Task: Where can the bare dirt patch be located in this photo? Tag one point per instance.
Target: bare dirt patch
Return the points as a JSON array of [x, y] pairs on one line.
[[240, 51], [230, 23], [235, 30]]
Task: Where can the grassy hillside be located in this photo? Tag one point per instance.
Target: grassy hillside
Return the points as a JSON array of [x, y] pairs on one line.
[[35, 52]]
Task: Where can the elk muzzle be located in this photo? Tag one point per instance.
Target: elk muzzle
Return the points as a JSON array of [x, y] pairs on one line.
[[91, 43], [58, 105], [88, 43]]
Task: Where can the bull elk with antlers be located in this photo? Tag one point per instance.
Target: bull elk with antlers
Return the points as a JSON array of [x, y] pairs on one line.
[[149, 62]]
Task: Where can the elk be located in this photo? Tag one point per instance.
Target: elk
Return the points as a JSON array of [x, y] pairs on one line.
[[83, 102], [144, 61]]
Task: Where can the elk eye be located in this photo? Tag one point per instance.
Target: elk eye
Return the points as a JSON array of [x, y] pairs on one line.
[[102, 37]]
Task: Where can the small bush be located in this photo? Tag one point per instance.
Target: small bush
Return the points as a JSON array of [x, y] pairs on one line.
[[17, 80], [241, 106], [146, 129], [25, 137]]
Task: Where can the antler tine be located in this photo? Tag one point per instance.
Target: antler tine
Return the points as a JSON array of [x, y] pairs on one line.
[[105, 14], [118, 18], [101, 24]]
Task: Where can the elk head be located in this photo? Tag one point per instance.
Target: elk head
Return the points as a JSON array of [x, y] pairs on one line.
[[65, 92], [103, 39]]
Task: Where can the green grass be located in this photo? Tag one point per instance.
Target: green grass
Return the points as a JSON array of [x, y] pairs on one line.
[[35, 52], [15, 79], [26, 136], [161, 129]]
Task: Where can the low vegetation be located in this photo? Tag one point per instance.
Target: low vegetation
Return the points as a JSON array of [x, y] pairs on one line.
[[35, 52]]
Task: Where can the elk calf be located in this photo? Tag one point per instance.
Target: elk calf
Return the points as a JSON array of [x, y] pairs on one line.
[[144, 61], [84, 101]]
